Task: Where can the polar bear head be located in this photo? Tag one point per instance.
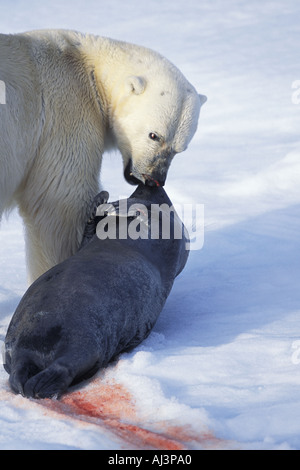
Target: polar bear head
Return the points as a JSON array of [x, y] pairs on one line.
[[155, 116]]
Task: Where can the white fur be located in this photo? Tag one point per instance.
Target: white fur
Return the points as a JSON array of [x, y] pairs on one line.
[[68, 98]]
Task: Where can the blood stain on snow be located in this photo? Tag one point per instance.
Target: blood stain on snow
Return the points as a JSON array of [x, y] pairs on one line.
[[111, 406]]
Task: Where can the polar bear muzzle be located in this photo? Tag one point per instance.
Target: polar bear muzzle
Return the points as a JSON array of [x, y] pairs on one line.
[[152, 175]]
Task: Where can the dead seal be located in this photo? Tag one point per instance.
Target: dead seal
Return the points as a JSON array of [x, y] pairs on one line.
[[104, 300]]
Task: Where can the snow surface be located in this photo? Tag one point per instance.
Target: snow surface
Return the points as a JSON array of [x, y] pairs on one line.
[[225, 352]]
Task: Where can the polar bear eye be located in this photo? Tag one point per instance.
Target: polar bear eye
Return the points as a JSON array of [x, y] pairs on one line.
[[154, 136]]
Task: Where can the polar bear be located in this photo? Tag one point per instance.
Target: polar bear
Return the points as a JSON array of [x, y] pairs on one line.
[[68, 98]]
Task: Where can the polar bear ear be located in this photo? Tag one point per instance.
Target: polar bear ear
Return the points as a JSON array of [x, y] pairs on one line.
[[203, 99], [135, 85]]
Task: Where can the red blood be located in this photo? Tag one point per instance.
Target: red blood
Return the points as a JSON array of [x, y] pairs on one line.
[[111, 406], [148, 177]]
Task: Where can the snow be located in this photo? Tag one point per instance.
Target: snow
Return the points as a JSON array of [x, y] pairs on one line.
[[225, 352]]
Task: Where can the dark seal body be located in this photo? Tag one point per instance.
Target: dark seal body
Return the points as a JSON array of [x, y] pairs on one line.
[[85, 311]]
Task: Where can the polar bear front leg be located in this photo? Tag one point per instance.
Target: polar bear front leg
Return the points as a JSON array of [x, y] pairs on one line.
[[54, 232]]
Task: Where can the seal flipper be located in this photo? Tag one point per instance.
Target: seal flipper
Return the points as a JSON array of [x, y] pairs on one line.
[[32, 380], [49, 382], [21, 371], [55, 380]]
